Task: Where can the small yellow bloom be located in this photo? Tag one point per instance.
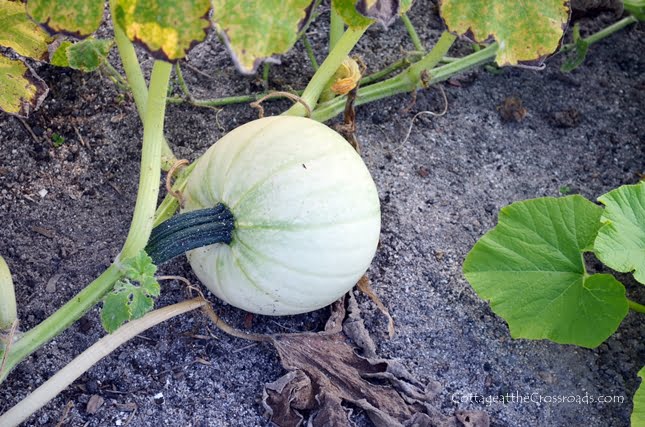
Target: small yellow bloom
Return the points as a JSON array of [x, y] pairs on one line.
[[346, 77]]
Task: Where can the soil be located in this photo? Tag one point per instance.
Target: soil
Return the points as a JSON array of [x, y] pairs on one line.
[[66, 212]]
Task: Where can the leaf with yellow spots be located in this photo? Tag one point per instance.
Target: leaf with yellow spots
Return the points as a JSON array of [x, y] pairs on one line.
[[254, 32], [527, 31], [79, 18], [168, 29], [362, 13], [20, 33], [22, 90]]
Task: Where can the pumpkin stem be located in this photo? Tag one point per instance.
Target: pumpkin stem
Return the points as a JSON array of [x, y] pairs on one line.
[[190, 230]]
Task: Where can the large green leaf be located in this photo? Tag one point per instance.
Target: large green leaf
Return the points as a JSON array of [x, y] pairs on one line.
[[20, 33], [527, 31], [22, 90], [638, 414], [621, 240], [86, 55], [253, 32], [530, 267], [79, 18], [168, 29]]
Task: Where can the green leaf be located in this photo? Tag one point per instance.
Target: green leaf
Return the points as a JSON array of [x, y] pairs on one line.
[[140, 267], [362, 13], [116, 309], [132, 296], [638, 414], [86, 55], [530, 267], [127, 301], [581, 48], [168, 29], [253, 33], [621, 240], [527, 31], [79, 18], [20, 33], [22, 90]]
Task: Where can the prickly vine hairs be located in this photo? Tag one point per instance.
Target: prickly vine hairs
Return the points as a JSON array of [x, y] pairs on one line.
[[224, 229]]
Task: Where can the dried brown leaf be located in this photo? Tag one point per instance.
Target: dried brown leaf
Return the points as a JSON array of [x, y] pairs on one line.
[[327, 377]]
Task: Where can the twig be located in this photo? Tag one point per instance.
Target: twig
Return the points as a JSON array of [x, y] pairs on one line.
[[431, 113], [80, 137], [246, 347], [63, 417], [28, 129], [198, 71]]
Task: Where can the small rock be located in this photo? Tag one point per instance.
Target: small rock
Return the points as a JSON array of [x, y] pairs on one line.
[[547, 377], [158, 398], [42, 193], [51, 283]]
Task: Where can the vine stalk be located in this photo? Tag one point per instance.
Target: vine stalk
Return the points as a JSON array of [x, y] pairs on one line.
[[84, 361], [137, 237], [327, 69], [138, 86]]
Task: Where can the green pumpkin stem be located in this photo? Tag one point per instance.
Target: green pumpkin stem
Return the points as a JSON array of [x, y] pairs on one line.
[[190, 230]]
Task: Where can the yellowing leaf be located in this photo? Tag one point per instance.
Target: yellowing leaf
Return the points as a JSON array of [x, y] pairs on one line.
[[22, 90], [253, 32], [20, 33], [527, 31], [76, 17], [168, 29]]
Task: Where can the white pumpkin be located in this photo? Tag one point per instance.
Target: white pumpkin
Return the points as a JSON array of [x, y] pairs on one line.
[[307, 216]]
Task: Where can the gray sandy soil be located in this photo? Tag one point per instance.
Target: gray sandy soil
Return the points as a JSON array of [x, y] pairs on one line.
[[440, 190]]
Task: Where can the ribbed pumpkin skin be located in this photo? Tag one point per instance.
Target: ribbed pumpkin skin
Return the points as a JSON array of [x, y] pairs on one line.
[[307, 216]]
